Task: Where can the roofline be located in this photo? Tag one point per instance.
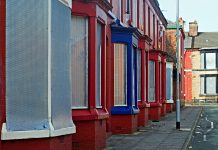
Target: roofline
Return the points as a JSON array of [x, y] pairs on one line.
[[156, 7]]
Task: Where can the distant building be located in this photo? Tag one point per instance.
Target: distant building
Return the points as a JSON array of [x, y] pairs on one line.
[[201, 65]]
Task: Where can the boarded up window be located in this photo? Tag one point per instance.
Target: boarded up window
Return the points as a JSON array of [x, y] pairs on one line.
[[120, 74], [79, 62], [151, 94], [139, 75], [98, 64]]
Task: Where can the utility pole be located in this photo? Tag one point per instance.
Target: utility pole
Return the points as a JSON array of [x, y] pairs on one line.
[[178, 69]]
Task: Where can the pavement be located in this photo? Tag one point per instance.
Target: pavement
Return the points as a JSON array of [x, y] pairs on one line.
[[160, 135]]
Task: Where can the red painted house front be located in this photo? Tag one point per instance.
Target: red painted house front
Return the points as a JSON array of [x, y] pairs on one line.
[[2, 63], [188, 76], [156, 23], [89, 21], [143, 105]]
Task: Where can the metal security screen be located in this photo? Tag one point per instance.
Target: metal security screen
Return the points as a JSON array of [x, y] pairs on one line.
[[120, 73], [79, 61], [60, 65], [210, 60], [139, 75], [151, 94], [26, 65], [169, 83], [98, 64]]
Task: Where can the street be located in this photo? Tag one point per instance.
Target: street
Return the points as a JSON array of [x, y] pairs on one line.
[[206, 132]]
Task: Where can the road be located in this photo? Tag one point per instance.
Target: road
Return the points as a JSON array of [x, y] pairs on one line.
[[205, 136]]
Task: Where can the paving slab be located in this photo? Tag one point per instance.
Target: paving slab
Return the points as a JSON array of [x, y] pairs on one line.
[[160, 135]]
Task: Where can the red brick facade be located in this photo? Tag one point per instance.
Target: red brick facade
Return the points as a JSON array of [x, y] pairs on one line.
[[188, 76], [2, 63]]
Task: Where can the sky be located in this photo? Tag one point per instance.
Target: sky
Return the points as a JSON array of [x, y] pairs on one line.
[[203, 11]]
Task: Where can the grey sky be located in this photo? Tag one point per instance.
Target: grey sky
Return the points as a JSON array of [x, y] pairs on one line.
[[203, 11]]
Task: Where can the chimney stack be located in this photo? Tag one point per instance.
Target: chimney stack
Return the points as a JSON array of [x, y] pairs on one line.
[[193, 28], [181, 22]]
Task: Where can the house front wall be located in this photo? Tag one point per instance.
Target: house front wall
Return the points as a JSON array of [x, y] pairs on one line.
[[2, 64]]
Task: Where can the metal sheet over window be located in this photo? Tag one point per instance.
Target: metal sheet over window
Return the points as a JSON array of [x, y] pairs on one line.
[[145, 80], [160, 66], [134, 75], [135, 12], [60, 79], [211, 85], [79, 62], [98, 64], [26, 65], [139, 75], [120, 74], [202, 85], [210, 60], [169, 84], [202, 60], [151, 95]]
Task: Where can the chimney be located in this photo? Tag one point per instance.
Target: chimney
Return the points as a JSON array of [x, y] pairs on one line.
[[193, 28], [181, 22]]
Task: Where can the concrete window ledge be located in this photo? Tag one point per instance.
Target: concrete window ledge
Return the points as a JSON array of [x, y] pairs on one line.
[[16, 135], [169, 101]]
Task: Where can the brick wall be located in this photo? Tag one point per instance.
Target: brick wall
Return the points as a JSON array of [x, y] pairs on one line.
[[2, 64]]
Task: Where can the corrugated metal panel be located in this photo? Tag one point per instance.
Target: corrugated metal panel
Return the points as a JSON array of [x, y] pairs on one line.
[[79, 65], [139, 74], [169, 83], [60, 57], [120, 72], [151, 94], [98, 64], [26, 65]]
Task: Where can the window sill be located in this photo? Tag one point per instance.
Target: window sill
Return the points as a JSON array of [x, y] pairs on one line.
[[16, 135], [143, 104], [124, 110], [205, 69], [156, 104], [208, 95], [169, 101], [89, 114]]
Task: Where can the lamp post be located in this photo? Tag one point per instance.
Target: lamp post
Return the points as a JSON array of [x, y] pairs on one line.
[[178, 68]]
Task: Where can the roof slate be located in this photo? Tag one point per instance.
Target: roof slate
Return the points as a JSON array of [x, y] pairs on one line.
[[204, 39]]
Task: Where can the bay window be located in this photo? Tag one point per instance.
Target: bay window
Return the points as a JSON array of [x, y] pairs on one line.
[[38, 88], [151, 92], [120, 74], [79, 62]]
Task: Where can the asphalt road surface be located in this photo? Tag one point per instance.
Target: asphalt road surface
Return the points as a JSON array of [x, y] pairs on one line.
[[205, 136]]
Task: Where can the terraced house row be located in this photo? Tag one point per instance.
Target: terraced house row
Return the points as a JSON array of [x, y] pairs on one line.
[[75, 72]]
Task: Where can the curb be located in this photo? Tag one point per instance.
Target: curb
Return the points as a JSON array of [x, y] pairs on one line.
[[185, 145]]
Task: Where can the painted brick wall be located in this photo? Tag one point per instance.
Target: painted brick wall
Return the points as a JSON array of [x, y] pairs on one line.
[[2, 65], [196, 60], [188, 87], [188, 59]]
